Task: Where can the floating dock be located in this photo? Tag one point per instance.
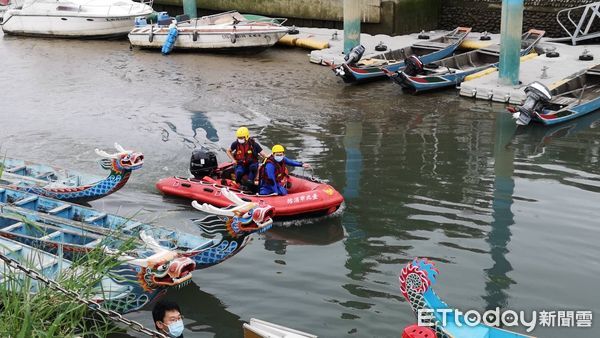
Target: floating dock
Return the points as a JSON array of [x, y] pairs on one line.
[[484, 86], [548, 71]]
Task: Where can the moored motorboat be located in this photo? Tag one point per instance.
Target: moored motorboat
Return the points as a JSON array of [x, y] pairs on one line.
[[573, 97], [357, 69], [416, 281], [74, 18], [224, 232], [229, 31], [71, 185], [422, 75]]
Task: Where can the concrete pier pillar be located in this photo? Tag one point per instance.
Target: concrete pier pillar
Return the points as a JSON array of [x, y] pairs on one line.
[[352, 20], [190, 8], [511, 29]]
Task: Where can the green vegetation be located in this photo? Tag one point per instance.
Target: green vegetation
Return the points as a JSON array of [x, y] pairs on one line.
[[31, 309]]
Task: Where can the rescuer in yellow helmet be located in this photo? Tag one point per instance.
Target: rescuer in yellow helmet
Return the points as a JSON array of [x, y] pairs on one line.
[[274, 174], [244, 152]]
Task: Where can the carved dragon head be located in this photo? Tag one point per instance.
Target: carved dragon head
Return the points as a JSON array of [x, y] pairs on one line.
[[242, 219], [164, 269], [416, 278], [122, 160]]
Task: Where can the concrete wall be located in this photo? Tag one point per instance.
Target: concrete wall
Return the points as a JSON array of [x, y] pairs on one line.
[[391, 17], [485, 15]]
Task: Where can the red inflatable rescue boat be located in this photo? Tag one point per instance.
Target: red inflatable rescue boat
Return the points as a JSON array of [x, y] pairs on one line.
[[305, 198]]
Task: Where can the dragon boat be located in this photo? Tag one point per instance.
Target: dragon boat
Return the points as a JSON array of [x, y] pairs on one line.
[[223, 233], [118, 294], [71, 185], [571, 98], [307, 197], [416, 280], [421, 74], [357, 69]]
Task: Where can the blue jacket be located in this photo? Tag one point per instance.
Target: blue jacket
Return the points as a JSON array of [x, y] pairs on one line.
[[266, 188]]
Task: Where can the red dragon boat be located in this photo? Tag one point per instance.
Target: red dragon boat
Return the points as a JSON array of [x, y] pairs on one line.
[[307, 197]]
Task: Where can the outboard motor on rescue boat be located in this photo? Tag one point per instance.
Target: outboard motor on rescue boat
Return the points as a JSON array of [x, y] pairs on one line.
[[414, 66], [537, 96], [203, 163]]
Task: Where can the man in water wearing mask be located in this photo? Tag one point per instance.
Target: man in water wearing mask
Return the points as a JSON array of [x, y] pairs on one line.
[[167, 318], [274, 173], [244, 152]]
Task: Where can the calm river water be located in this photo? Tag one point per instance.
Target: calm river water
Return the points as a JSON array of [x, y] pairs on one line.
[[510, 217]]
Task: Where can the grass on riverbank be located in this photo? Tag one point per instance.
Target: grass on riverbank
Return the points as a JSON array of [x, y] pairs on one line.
[[31, 309]]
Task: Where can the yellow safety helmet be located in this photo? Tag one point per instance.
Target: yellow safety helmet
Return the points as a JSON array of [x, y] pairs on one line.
[[278, 148], [242, 132]]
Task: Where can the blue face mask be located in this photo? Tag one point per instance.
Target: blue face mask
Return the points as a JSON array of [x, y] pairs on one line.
[[279, 158], [176, 329]]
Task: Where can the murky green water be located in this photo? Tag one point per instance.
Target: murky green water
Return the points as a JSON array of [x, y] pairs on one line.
[[510, 217]]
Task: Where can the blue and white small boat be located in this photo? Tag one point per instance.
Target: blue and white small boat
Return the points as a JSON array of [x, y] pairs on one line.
[[416, 280], [71, 185], [573, 97], [422, 75], [223, 233], [118, 295], [356, 69]]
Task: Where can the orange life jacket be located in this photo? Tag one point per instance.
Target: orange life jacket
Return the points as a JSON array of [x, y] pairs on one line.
[[244, 153], [281, 172]]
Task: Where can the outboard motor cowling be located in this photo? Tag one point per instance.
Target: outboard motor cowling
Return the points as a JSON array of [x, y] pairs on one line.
[[414, 66], [538, 95], [203, 163], [355, 55]]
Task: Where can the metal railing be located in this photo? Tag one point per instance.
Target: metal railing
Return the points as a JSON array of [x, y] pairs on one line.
[[578, 28]]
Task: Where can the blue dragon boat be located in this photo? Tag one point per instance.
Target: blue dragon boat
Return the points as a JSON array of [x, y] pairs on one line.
[[573, 97], [356, 69], [223, 233], [422, 75], [118, 295], [72, 185], [416, 280]]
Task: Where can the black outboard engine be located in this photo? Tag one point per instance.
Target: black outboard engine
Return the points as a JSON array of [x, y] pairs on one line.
[[414, 66], [203, 163], [538, 95]]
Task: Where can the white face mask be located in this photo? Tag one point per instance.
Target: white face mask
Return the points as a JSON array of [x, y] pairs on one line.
[[279, 158], [176, 328], [241, 140]]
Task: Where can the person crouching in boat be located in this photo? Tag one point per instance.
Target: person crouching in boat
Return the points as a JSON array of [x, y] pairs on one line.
[[274, 174], [244, 152]]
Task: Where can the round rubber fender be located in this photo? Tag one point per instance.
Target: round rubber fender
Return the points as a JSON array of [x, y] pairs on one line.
[[552, 54], [423, 37], [233, 38], [195, 36], [151, 34], [485, 38], [586, 57]]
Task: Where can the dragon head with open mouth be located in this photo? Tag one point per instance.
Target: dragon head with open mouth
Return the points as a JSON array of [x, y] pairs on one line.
[[122, 160], [164, 269], [242, 219]]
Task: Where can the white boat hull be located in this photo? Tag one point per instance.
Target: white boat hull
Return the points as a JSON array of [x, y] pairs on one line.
[[155, 37], [71, 22]]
